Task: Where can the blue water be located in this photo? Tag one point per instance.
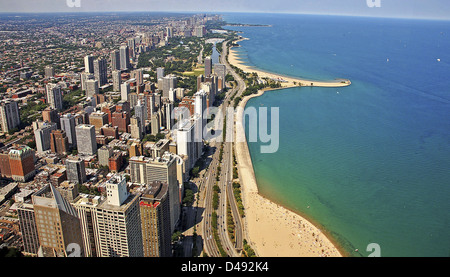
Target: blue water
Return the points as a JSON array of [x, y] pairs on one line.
[[372, 160]]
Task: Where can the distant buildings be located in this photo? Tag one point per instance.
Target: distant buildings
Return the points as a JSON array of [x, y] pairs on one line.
[[115, 60], [42, 136], [49, 72], [68, 125]]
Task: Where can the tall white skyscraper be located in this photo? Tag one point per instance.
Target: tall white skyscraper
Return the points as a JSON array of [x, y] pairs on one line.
[[91, 88], [9, 115], [86, 142], [159, 73], [54, 96], [89, 64], [124, 57], [117, 80], [124, 91]]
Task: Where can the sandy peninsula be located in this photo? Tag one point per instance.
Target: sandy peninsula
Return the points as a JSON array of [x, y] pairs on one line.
[[272, 230]]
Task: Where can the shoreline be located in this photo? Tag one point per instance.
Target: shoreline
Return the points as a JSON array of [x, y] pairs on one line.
[[286, 81], [271, 229]]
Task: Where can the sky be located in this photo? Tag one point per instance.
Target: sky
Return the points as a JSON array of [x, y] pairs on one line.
[[430, 9]]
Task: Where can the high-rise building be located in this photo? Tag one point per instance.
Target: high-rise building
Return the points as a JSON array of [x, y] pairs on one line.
[[155, 124], [201, 108], [117, 80], [75, 170], [54, 96], [57, 224], [159, 73], [49, 71], [59, 143], [208, 66], [155, 220], [42, 136], [170, 119], [84, 77], [89, 64], [86, 142], [138, 75], [100, 71], [68, 125], [9, 116], [124, 57], [169, 82], [124, 91], [98, 119], [115, 60], [104, 153], [118, 222], [163, 169], [21, 164], [86, 206], [91, 87], [189, 142], [28, 229], [121, 120], [51, 115], [221, 71], [136, 128]]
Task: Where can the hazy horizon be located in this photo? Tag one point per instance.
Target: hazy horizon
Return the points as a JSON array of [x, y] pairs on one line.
[[413, 9]]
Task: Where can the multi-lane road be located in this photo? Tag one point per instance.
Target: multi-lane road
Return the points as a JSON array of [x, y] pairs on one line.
[[202, 215]]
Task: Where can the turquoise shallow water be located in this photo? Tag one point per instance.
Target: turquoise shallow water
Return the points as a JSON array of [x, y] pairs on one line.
[[372, 160]]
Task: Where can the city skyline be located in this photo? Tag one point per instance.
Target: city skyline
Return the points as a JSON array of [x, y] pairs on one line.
[[434, 9]]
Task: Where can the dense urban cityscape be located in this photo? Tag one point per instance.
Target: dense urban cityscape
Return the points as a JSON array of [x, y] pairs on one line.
[[103, 147]]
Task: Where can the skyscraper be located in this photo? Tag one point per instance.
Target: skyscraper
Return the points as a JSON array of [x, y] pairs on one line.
[[42, 136], [164, 169], [89, 64], [21, 163], [118, 222], [115, 60], [117, 80], [27, 224], [57, 224], [86, 142], [91, 87], [169, 82], [75, 170], [208, 66], [159, 73], [100, 71], [54, 96], [68, 125], [124, 91], [9, 116], [124, 57], [59, 142], [155, 220]]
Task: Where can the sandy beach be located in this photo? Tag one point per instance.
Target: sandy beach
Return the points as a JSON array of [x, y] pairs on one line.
[[286, 81], [272, 230]]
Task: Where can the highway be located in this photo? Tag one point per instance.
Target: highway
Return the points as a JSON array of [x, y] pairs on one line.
[[206, 181]]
